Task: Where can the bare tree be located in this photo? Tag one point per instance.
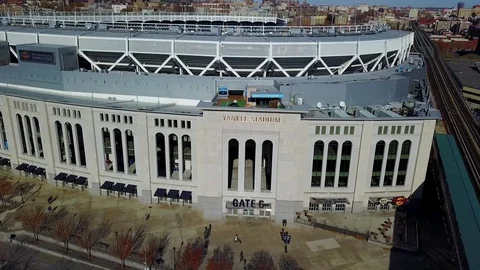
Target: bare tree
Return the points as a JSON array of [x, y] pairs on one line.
[[22, 188], [128, 242], [287, 262], [66, 228], [6, 188], [222, 259], [33, 220], [191, 258], [154, 247], [55, 215], [17, 257], [261, 260], [91, 235]]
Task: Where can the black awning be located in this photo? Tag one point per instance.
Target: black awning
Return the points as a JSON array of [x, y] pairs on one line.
[[173, 194], [160, 193], [130, 189], [107, 185], [80, 181], [71, 178], [186, 195], [118, 187], [39, 171], [60, 176], [22, 166], [30, 169]]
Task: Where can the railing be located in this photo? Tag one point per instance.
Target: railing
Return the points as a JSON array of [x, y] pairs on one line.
[[102, 16], [332, 227], [137, 22], [110, 13]]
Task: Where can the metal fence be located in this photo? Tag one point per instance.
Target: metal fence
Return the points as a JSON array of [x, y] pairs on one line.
[[334, 228]]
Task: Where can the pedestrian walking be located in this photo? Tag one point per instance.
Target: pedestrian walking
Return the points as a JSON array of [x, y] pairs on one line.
[[205, 233], [236, 239], [241, 256]]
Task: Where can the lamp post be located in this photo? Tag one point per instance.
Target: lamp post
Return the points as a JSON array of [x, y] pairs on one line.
[[175, 254]]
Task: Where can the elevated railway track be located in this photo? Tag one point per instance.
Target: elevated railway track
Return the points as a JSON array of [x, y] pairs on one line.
[[457, 116], [459, 122]]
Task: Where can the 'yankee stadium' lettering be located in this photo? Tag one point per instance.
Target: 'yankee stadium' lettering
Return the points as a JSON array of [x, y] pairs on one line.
[[251, 119]]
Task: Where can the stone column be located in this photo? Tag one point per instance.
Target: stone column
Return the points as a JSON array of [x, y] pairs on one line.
[[113, 156], [34, 137], [167, 156], [76, 146], [324, 163], [241, 165], [65, 143], [258, 167], [384, 163], [180, 157], [337, 165], [125, 151], [397, 164], [26, 136]]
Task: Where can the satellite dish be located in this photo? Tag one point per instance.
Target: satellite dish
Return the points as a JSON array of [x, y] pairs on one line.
[[342, 104], [319, 105]]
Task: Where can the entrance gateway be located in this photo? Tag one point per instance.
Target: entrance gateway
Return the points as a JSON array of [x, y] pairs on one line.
[[249, 208]]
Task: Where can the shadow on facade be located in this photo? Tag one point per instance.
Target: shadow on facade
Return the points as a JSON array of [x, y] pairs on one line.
[[423, 241]]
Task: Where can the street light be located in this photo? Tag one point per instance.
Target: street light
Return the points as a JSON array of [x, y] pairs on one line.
[[174, 255]]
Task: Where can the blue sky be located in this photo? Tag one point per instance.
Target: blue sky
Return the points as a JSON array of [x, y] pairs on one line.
[[413, 3]]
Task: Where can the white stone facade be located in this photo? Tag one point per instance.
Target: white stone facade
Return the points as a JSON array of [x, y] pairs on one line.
[[292, 137]]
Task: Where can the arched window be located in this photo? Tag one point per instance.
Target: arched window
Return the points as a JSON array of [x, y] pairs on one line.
[[131, 160], [61, 144], [29, 135], [331, 163], [267, 160], [318, 148], [69, 144], [391, 159], [403, 165], [233, 148], [345, 164], [81, 145], [187, 157], [249, 183], [107, 149], [37, 135], [22, 133], [3, 132], [118, 144], [173, 153], [161, 155], [377, 164]]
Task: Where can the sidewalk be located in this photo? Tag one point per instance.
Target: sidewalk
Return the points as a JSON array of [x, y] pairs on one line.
[[71, 255]]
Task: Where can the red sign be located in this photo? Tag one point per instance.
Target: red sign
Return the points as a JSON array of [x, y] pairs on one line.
[[399, 201]]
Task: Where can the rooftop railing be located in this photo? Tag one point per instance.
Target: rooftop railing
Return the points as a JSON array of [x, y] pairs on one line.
[[110, 16]]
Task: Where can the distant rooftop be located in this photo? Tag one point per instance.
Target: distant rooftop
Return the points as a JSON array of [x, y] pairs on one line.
[[467, 72]]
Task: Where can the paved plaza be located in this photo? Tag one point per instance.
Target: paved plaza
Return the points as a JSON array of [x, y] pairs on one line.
[[312, 248]]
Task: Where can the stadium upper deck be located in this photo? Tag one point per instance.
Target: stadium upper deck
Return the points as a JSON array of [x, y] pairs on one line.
[[288, 52]]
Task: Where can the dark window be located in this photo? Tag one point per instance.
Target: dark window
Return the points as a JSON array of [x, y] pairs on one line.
[[317, 164]]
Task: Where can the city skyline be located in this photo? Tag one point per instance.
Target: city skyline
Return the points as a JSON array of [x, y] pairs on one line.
[[393, 3]]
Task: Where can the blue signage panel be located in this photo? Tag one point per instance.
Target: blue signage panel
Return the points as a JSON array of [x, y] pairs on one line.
[[37, 57], [222, 90]]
